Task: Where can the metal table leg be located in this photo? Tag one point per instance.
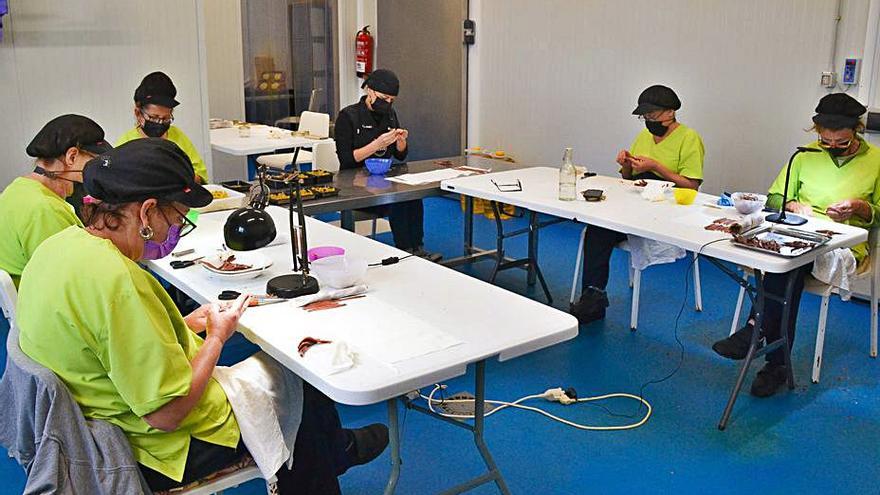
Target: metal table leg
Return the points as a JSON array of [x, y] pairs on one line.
[[759, 302], [479, 408], [346, 220], [394, 440], [759, 320], [533, 247], [468, 225], [493, 474]]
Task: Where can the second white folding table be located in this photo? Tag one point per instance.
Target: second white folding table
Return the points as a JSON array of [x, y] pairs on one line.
[[623, 210]]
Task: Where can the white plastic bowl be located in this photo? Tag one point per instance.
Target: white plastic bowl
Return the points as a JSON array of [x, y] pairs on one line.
[[339, 272], [748, 206]]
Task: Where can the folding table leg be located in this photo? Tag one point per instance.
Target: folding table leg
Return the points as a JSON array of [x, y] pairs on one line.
[[499, 241], [468, 225], [479, 408], [698, 286], [346, 220], [494, 474], [543, 284], [394, 440], [576, 278], [533, 250], [759, 320]]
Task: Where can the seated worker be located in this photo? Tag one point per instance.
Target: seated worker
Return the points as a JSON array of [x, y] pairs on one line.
[[370, 129], [32, 207], [154, 103], [841, 184], [128, 356], [665, 150]]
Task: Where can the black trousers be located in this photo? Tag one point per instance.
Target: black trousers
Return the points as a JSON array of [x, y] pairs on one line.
[[598, 245], [774, 283], [319, 453], [407, 221]]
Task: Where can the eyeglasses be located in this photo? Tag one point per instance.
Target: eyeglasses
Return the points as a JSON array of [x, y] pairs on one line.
[[157, 120], [826, 144], [655, 118], [187, 225], [510, 187]]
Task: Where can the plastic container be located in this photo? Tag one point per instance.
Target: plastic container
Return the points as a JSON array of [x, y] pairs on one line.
[[683, 195], [748, 203], [339, 272], [378, 166], [319, 252]]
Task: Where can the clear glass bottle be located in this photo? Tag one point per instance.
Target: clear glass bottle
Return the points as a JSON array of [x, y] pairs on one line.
[[567, 177]]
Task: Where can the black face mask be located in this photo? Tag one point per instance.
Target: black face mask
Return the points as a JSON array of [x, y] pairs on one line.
[[656, 128], [835, 152], [381, 106], [154, 129]]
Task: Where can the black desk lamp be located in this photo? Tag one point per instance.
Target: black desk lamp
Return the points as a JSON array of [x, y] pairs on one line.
[[251, 227], [295, 284], [783, 217]]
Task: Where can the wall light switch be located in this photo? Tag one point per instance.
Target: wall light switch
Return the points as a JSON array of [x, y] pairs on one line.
[[828, 80]]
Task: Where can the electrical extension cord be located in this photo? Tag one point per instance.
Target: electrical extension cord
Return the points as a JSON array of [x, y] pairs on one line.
[[391, 260], [564, 397]]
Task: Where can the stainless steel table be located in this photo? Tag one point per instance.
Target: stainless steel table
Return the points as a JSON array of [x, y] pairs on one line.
[[358, 189]]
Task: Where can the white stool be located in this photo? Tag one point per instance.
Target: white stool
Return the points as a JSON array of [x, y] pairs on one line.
[[317, 124]]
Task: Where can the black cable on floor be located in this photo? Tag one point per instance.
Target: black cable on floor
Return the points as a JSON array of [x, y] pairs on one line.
[[677, 367]]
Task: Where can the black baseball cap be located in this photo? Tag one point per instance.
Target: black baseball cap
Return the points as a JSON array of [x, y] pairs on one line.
[[838, 111], [655, 98], [156, 89], [142, 169], [383, 81], [65, 132]]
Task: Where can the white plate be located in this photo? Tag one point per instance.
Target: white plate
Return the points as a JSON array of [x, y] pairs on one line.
[[259, 264], [631, 184]]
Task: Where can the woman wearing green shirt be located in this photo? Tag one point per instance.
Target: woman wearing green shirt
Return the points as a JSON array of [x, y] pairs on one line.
[[154, 103], [841, 184], [667, 150], [127, 355], [32, 207]]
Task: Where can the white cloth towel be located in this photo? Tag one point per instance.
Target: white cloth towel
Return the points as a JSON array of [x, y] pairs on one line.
[[332, 358], [748, 222], [646, 252], [836, 268], [655, 191], [328, 294], [267, 401]]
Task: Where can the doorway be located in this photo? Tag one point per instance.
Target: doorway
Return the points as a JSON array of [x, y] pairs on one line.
[[421, 41]]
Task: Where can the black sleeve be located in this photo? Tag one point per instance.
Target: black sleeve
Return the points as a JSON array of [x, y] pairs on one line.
[[344, 136], [400, 155]]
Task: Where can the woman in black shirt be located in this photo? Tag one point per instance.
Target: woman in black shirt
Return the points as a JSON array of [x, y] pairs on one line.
[[370, 129]]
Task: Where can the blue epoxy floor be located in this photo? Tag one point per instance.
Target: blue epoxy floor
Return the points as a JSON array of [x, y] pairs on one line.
[[821, 438]]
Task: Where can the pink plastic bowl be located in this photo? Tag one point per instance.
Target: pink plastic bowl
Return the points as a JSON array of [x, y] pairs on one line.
[[319, 252]]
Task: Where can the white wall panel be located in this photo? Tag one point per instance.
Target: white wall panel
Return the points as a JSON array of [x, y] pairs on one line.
[[87, 57], [225, 76], [545, 75]]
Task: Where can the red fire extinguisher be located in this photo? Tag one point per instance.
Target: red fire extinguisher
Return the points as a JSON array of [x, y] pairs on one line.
[[363, 48]]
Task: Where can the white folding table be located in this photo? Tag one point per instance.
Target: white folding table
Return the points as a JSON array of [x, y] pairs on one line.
[[623, 210], [488, 321], [229, 141]]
